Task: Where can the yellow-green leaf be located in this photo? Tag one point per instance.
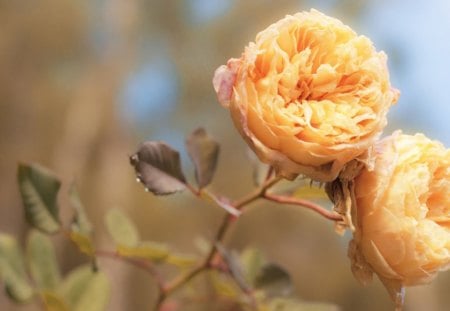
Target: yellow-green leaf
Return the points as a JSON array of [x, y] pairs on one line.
[[74, 284], [252, 261], [223, 285], [145, 250], [83, 242], [182, 260], [39, 188], [96, 295], [52, 302], [85, 290], [42, 262], [12, 270], [121, 228]]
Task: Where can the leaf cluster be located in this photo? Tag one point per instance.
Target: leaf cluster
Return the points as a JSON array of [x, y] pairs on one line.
[[247, 279]]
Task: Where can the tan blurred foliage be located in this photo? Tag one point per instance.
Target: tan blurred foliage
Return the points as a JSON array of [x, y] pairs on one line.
[[59, 107]]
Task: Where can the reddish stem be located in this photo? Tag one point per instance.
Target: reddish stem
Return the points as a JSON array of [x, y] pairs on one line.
[[304, 203], [194, 191]]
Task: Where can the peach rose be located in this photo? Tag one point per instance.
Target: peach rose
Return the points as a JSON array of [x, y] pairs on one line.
[[308, 96], [402, 213]]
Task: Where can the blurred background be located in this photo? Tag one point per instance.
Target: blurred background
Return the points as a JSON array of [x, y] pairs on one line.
[[83, 82]]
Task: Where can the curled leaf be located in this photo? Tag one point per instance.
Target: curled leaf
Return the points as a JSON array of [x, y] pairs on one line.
[[158, 167], [204, 152], [39, 188]]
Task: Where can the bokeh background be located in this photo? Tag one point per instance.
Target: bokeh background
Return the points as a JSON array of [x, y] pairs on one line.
[[83, 82]]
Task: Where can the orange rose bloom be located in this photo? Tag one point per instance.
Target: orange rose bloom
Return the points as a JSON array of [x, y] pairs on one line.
[[308, 96], [402, 210]]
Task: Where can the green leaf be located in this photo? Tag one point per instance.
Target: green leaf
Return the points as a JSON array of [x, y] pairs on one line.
[[96, 294], [12, 270], [182, 260], [80, 221], [223, 285], [42, 262], [83, 242], [145, 250], [204, 152], [74, 284], [252, 261], [274, 280], [121, 228], [158, 167], [53, 302], [85, 290], [287, 304], [39, 188]]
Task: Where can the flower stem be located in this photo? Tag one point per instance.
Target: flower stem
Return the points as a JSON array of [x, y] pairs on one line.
[[304, 203]]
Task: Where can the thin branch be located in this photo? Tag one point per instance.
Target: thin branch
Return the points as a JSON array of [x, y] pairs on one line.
[[194, 190], [304, 203], [239, 204]]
